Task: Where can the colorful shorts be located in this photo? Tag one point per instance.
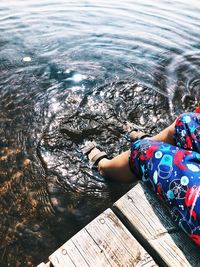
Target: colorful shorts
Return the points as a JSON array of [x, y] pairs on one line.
[[173, 172]]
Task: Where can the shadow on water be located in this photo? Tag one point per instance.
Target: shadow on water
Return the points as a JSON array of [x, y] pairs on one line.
[[80, 85]]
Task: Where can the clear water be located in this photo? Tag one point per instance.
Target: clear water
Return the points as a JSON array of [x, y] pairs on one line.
[[73, 71]]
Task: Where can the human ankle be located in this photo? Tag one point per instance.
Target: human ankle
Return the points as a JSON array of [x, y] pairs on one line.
[[102, 166]]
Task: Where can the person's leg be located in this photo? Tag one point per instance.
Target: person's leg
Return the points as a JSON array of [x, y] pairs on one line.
[[118, 168], [187, 131], [183, 132], [174, 175], [172, 172], [166, 135]]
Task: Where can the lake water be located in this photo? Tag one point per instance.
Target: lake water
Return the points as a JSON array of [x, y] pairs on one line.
[[73, 71]]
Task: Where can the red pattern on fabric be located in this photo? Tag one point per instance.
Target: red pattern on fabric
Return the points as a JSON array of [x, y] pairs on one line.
[[179, 122], [188, 142], [149, 152], [160, 192], [197, 110], [142, 157], [178, 158], [195, 238], [193, 214], [191, 195]]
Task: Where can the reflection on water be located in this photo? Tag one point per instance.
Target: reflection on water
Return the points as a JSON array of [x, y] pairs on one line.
[[75, 71]]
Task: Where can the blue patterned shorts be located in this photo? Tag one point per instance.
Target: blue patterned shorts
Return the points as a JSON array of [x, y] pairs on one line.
[[173, 172]]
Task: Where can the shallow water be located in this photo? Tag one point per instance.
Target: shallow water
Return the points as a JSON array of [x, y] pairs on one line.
[[76, 71]]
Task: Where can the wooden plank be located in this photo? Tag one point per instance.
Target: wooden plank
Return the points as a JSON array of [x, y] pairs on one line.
[[103, 242], [42, 264], [146, 218]]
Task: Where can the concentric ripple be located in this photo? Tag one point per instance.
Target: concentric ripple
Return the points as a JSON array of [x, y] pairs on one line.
[[73, 71]]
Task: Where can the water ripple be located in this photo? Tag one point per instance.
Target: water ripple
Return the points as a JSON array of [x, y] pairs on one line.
[[74, 71]]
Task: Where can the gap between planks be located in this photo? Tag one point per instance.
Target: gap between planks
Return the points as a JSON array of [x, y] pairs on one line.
[[150, 222]]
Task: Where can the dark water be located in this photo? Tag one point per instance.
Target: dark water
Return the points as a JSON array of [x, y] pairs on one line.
[[73, 71]]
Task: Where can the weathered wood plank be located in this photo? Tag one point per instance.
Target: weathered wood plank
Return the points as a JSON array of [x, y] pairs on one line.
[[103, 242], [146, 218], [42, 264]]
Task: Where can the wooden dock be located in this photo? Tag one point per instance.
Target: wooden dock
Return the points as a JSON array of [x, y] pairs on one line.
[[136, 231]]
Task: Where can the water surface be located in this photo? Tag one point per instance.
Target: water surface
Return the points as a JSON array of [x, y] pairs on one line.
[[73, 71]]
